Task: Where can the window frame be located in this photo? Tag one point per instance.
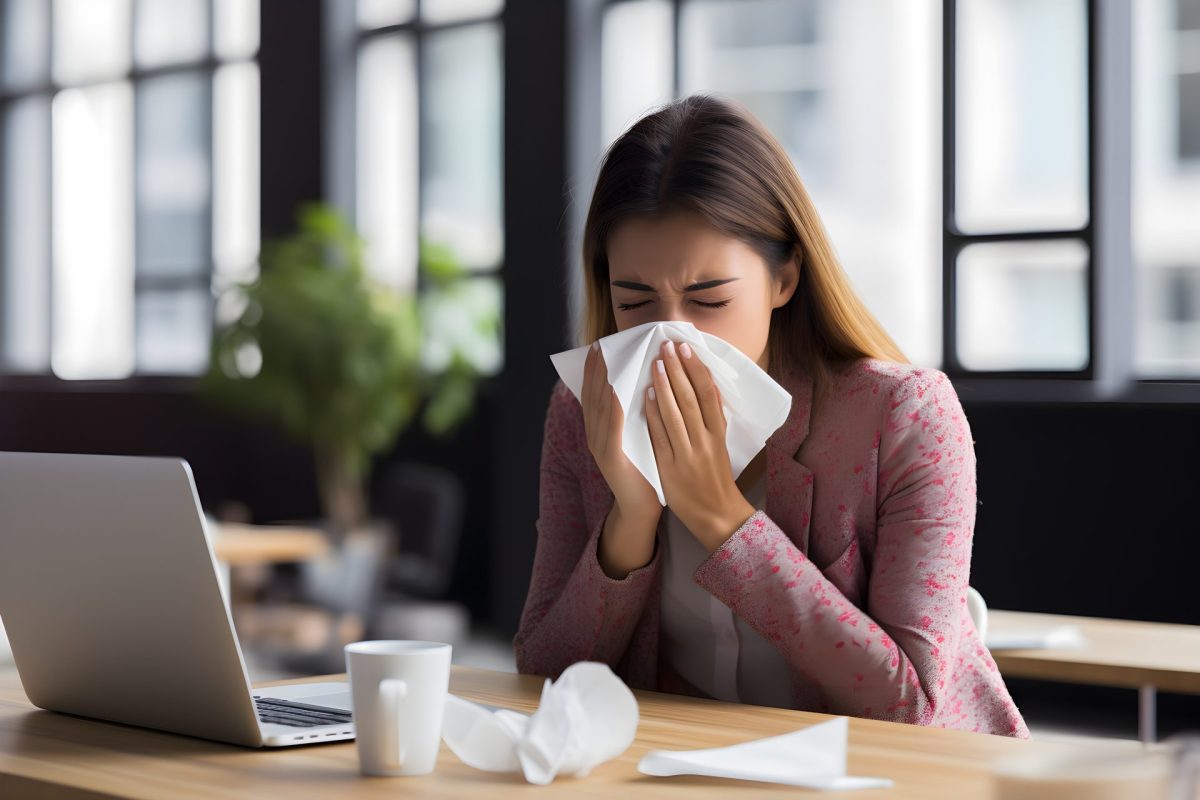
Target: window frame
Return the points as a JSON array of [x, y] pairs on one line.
[[206, 269], [1113, 269], [345, 185], [955, 240], [1110, 374]]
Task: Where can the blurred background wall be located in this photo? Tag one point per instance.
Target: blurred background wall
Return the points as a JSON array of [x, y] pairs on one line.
[[1013, 186]]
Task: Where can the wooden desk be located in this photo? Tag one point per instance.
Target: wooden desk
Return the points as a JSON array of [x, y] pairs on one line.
[[1147, 656], [239, 545], [47, 755]]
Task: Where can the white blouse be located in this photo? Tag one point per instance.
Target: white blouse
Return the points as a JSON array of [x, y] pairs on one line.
[[706, 643]]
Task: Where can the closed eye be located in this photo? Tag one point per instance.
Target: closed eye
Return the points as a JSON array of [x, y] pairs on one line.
[[632, 306]]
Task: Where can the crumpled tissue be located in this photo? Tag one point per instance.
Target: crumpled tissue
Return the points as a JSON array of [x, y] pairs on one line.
[[586, 717]]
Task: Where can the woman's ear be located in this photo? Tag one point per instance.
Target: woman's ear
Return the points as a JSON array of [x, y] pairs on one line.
[[786, 279]]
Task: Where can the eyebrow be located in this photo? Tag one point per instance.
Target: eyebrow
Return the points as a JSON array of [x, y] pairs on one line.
[[695, 287]]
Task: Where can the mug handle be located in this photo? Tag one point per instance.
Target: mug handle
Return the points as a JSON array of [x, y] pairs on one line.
[[392, 692]]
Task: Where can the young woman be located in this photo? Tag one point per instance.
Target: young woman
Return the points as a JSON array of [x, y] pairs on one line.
[[832, 574]]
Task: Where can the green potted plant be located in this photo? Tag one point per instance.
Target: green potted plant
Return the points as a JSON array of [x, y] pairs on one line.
[[341, 362]]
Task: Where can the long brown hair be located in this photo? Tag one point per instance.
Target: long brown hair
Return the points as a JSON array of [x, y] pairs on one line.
[[710, 156]]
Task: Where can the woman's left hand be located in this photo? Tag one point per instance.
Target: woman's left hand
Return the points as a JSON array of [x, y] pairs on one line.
[[687, 430]]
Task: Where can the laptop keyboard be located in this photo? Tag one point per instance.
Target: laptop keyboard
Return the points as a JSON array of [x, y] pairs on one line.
[[298, 715]]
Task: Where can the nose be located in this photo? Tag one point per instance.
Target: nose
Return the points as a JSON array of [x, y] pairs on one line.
[[674, 311]]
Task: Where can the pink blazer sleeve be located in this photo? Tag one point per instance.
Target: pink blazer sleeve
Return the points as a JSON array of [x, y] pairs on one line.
[[574, 611], [889, 661]]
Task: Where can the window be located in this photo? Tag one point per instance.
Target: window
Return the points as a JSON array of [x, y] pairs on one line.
[[856, 93], [129, 133], [1018, 234], [428, 159], [851, 91], [1166, 186]]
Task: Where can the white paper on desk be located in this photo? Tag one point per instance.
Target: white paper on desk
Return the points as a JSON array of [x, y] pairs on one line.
[[814, 757], [754, 404], [1063, 637], [586, 717]]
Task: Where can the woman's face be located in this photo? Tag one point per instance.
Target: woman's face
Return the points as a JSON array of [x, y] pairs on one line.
[[678, 268]]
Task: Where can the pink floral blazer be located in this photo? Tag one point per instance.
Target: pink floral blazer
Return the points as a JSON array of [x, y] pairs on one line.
[[856, 569]]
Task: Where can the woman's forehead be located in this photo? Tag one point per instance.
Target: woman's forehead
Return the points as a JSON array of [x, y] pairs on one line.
[[676, 249]]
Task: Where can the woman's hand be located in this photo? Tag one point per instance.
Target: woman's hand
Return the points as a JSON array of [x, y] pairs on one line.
[[604, 419], [687, 429], [629, 540]]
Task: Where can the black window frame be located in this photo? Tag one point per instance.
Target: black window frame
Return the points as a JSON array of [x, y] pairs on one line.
[[419, 30], [202, 279], [955, 240], [1110, 373]]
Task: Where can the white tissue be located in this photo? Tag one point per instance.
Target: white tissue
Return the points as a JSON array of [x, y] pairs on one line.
[[586, 717], [1063, 637], [754, 404], [814, 757]]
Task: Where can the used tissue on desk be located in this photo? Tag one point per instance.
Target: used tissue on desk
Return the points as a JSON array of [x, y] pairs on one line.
[[754, 404], [586, 717]]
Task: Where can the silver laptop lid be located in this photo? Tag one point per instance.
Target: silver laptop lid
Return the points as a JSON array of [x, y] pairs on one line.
[[109, 594]]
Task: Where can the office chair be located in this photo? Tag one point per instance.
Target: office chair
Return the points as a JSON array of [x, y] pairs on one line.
[[977, 608]]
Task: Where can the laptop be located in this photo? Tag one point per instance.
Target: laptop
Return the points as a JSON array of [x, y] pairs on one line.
[[110, 596]]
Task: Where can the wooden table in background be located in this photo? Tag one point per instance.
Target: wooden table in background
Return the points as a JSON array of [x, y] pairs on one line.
[[48, 755], [1147, 656], [240, 545]]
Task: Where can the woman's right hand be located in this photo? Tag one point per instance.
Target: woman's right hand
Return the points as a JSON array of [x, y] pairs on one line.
[[604, 419]]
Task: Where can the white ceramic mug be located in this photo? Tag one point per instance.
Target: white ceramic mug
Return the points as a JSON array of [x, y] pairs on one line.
[[399, 691]]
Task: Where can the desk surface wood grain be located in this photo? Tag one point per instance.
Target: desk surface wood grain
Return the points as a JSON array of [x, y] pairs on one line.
[[1115, 652], [47, 755]]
